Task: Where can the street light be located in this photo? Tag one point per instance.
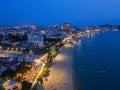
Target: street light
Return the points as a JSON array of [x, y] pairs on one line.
[[43, 64], [16, 49], [12, 48], [0, 47]]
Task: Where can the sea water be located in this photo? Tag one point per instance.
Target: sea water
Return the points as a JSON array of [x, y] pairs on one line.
[[97, 61]]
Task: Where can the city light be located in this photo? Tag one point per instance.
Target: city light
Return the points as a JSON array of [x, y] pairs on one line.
[[16, 49], [43, 65], [0, 47]]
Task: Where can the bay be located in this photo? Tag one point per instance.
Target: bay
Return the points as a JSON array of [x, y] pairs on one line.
[[97, 61]]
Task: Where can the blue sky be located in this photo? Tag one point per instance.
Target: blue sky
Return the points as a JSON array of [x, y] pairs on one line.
[[46, 12]]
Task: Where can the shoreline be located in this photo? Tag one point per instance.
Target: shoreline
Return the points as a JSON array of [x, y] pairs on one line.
[[61, 72], [51, 84]]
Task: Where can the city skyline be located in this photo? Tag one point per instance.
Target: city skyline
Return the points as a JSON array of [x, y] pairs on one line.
[[44, 12]]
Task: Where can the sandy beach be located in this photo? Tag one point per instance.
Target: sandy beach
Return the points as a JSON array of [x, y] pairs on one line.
[[61, 72]]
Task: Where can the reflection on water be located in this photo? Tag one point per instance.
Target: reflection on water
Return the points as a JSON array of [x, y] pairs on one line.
[[96, 61]]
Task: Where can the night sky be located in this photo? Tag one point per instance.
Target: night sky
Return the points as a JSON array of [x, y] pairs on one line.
[[49, 12]]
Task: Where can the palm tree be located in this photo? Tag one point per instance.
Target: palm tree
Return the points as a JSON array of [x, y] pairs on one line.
[[40, 80]]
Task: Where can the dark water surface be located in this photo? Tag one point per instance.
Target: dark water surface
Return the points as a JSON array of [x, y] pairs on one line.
[[97, 61]]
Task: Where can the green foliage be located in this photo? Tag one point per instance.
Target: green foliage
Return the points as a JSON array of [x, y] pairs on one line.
[[53, 53], [63, 43], [46, 70], [44, 73], [40, 80], [1, 86], [47, 65], [6, 78]]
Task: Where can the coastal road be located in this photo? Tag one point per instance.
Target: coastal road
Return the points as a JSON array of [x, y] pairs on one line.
[[32, 74], [36, 69]]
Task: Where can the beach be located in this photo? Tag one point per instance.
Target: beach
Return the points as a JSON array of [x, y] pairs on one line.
[[61, 71]]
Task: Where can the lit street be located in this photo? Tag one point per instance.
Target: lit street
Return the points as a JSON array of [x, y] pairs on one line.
[[36, 69]]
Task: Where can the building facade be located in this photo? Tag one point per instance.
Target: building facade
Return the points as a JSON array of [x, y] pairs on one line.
[[66, 26], [36, 39]]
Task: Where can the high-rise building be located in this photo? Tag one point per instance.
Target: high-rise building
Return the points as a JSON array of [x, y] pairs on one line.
[[67, 28]]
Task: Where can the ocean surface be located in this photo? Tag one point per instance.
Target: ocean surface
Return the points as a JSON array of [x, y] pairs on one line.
[[97, 61]]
